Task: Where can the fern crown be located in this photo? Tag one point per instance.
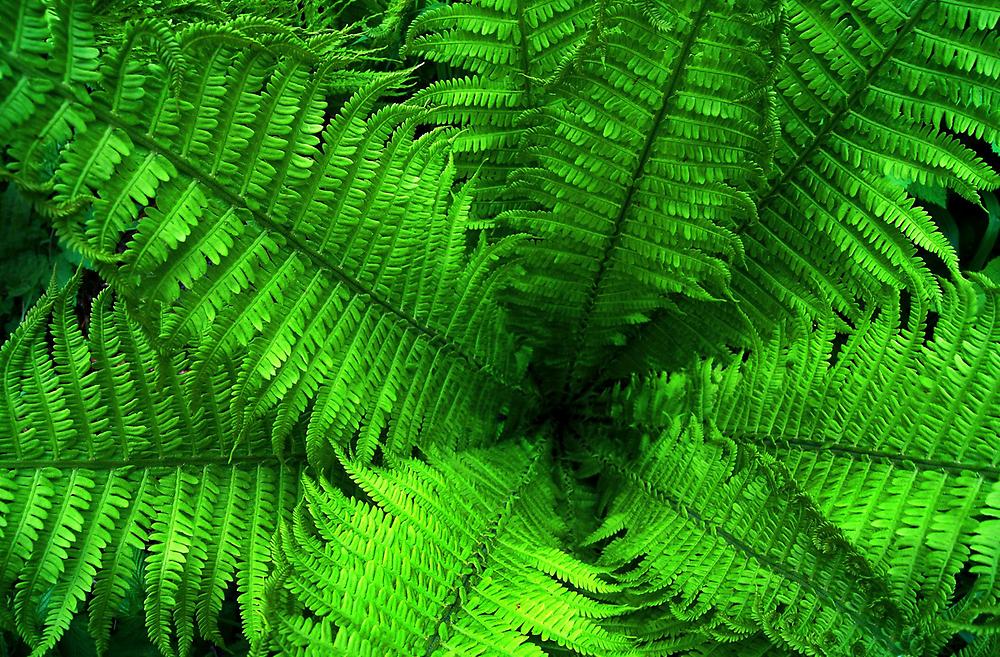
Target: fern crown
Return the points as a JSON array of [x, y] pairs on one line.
[[503, 328]]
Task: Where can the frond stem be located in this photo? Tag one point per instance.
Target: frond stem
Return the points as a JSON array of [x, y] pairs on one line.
[[846, 107], [265, 222], [620, 219], [895, 458]]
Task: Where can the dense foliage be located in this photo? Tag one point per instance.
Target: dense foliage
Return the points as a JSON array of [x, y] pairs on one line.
[[500, 327]]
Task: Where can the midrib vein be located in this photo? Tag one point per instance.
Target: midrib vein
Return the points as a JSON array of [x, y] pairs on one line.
[[846, 107], [142, 463], [266, 223], [620, 219], [897, 459], [523, 54]]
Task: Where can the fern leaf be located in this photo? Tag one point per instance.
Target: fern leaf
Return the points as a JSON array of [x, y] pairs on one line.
[[137, 472], [908, 417], [870, 93], [457, 556], [892, 437], [246, 213], [869, 90], [648, 153], [619, 335], [748, 551]]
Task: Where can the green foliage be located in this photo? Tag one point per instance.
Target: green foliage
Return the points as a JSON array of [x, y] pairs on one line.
[[134, 478], [854, 449], [474, 534], [500, 328]]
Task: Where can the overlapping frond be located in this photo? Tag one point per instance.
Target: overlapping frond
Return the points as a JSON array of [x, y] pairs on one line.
[[717, 533], [459, 555], [871, 96], [511, 50], [248, 208], [117, 473], [891, 434], [303, 383], [648, 151], [871, 93], [896, 440]]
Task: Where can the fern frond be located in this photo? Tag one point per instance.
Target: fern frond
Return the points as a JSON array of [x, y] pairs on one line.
[[248, 213], [908, 414], [509, 48], [648, 152], [981, 647], [618, 336], [457, 556], [112, 458], [870, 92], [892, 435], [717, 533]]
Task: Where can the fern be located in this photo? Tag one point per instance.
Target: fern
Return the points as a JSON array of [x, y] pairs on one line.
[[869, 452], [503, 327], [482, 529], [132, 480], [867, 91], [894, 91], [647, 157], [235, 247]]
